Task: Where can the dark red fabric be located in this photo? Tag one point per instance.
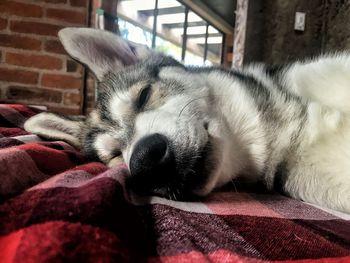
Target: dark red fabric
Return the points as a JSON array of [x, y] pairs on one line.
[[57, 207]]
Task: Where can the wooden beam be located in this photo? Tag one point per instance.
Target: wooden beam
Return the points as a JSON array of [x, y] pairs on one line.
[[209, 15], [229, 57], [203, 35], [184, 37], [181, 25], [240, 33], [164, 11], [154, 29], [110, 8], [206, 43]]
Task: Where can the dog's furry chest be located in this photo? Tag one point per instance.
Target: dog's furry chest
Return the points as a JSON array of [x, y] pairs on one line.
[[286, 136], [286, 129], [271, 122]]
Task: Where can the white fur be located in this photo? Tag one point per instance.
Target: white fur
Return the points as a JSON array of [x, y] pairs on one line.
[[311, 136], [321, 174], [121, 105], [105, 144], [324, 80], [51, 126]]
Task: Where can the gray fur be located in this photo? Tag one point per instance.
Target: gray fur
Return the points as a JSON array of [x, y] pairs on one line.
[[254, 123]]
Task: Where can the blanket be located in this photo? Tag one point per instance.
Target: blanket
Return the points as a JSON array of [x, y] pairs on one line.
[[56, 206]]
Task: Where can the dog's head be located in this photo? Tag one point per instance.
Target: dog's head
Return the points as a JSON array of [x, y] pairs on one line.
[[152, 112]]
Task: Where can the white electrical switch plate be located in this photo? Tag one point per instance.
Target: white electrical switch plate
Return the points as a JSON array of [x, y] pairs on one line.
[[299, 23]]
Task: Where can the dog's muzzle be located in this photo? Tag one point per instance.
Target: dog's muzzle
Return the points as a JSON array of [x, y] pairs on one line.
[[154, 169], [152, 160]]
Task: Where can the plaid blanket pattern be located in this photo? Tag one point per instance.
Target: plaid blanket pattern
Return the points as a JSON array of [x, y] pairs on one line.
[[56, 207]]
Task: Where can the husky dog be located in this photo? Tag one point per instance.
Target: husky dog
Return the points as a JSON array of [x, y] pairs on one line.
[[183, 131]]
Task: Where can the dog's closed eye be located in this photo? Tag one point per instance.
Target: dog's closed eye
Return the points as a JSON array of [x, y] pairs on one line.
[[144, 96], [116, 153]]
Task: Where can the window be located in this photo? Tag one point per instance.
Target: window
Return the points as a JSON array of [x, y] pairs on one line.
[[134, 33], [170, 27]]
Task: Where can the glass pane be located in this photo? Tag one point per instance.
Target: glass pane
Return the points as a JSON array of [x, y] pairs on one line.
[[134, 33], [193, 59], [168, 48], [194, 52], [148, 4]]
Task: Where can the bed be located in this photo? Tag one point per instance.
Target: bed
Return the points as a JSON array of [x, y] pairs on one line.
[[55, 206]]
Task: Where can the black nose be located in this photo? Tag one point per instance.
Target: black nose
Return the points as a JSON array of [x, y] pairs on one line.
[[152, 161]]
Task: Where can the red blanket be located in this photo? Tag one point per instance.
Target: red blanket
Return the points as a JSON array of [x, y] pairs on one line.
[[56, 207]]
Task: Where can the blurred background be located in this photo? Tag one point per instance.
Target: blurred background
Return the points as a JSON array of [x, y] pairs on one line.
[[35, 69]]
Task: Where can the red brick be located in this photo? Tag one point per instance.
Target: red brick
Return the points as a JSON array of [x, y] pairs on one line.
[[81, 3], [61, 81], [20, 9], [3, 23], [72, 99], [34, 61], [90, 91], [33, 94], [18, 75], [68, 16], [54, 46], [19, 42], [66, 111], [35, 28]]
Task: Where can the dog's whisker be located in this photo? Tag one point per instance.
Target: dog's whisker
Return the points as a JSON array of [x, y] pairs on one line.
[[234, 185], [152, 123], [196, 99], [174, 195]]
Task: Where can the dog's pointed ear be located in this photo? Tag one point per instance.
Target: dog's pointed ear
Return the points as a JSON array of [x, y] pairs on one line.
[[101, 50], [55, 127]]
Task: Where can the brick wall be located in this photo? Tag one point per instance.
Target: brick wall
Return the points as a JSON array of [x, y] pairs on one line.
[[91, 84], [34, 68]]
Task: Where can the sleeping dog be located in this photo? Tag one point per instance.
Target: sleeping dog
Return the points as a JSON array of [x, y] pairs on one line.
[[183, 131]]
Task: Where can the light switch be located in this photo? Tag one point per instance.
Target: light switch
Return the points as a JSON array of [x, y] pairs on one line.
[[299, 23]]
